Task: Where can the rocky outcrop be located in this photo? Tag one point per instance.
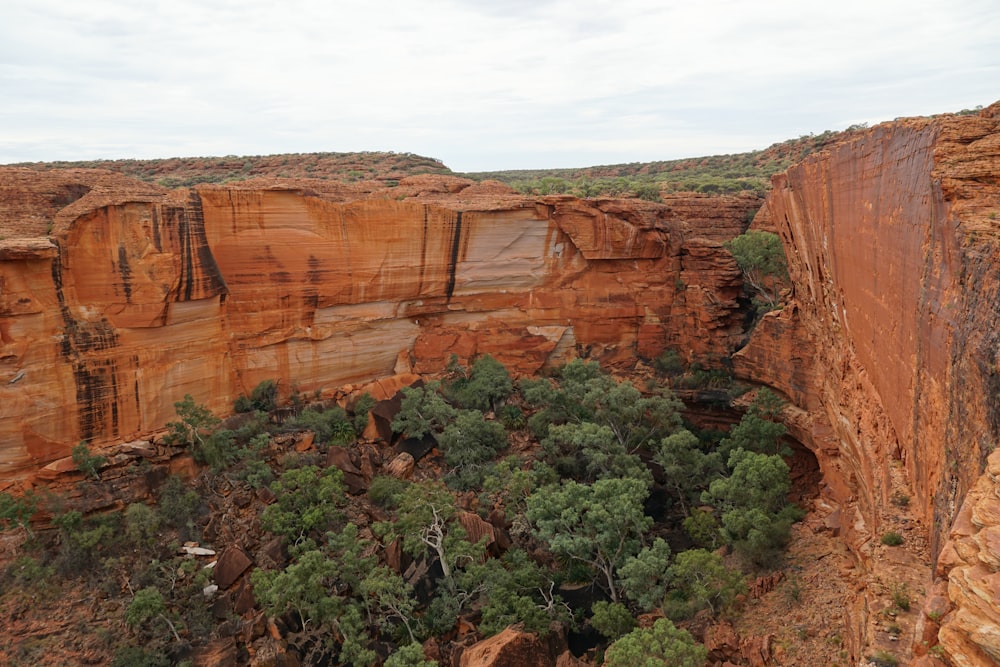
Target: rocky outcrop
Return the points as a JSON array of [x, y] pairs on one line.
[[142, 295], [888, 348]]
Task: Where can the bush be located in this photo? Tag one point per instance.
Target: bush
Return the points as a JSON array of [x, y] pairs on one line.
[[179, 506], [612, 619], [87, 463], [264, 397], [662, 644], [892, 539], [385, 491]]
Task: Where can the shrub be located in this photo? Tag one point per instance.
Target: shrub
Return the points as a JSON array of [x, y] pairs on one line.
[[901, 597], [264, 397], [612, 619], [385, 491], [662, 644], [892, 539], [87, 463]]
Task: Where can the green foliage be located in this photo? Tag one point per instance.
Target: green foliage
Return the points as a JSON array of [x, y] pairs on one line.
[[761, 259], [669, 363], [703, 528], [512, 417], [81, 541], [331, 426], [513, 589], [756, 518], [892, 539], [361, 408], [325, 589], [410, 655], [644, 577], [687, 468], [139, 656], [471, 440], [583, 393], [509, 485], [883, 659], [756, 434], [389, 597], [901, 597], [428, 520], [196, 423], [589, 452], [423, 410], [306, 503], [612, 619], [145, 606], [488, 383], [662, 644], [599, 525], [27, 572], [304, 587], [264, 397], [179, 506], [16, 511], [142, 525], [87, 463], [385, 491], [700, 580]]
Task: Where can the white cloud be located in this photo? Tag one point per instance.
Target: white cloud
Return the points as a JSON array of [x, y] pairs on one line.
[[478, 83]]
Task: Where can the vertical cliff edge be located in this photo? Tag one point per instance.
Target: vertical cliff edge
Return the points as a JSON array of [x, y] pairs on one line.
[[888, 347]]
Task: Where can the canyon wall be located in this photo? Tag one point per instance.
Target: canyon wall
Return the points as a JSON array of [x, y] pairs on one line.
[[888, 348], [118, 298]]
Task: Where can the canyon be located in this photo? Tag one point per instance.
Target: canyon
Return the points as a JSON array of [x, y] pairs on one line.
[[118, 297]]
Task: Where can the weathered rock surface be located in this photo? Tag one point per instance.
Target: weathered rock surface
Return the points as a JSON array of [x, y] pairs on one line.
[[889, 347], [141, 295], [510, 648]]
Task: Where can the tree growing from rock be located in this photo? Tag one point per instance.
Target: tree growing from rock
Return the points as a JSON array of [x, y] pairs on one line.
[[761, 259]]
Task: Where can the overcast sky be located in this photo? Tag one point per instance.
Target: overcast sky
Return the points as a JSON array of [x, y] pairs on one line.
[[479, 84]]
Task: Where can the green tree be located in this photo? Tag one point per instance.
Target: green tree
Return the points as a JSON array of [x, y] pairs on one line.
[[644, 577], [423, 411], [513, 589], [700, 580], [590, 451], [471, 440], [148, 605], [599, 525], [411, 655], [660, 645], [488, 383], [196, 423], [307, 502], [761, 259], [331, 426], [264, 397], [17, 511], [687, 469], [388, 596], [756, 517], [87, 463], [428, 520], [612, 619]]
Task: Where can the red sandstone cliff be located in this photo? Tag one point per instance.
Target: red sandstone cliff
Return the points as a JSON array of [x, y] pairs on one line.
[[141, 295], [889, 348]]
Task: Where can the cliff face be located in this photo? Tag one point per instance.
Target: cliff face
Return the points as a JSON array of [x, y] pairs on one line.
[[143, 295], [888, 348]]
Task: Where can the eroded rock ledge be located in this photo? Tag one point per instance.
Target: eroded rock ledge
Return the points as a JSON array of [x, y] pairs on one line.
[[141, 295]]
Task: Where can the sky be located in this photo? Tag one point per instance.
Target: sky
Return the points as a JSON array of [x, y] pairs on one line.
[[479, 84]]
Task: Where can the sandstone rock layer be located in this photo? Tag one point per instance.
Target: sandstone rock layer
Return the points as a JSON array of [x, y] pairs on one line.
[[143, 295]]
